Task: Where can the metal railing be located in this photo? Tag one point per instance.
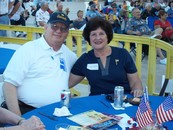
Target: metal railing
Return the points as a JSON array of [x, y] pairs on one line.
[[127, 39]]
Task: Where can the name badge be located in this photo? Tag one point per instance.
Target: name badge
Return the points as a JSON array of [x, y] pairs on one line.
[[93, 66]]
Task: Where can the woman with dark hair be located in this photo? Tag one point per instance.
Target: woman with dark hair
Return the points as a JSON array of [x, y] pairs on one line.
[[163, 23], [105, 66]]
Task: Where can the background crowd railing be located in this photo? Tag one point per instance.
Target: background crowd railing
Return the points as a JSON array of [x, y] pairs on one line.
[[81, 47]]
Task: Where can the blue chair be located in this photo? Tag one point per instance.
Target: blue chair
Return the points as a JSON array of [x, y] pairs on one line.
[[5, 56], [151, 20], [170, 19]]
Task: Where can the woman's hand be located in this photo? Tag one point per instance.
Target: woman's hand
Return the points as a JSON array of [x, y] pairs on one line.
[[137, 92], [168, 28], [33, 123]]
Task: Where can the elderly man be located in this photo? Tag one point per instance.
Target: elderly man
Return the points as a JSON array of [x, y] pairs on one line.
[[138, 26], [147, 11], [42, 15], [42, 68]]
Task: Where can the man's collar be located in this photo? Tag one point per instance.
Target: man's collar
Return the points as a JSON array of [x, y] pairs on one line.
[[46, 46]]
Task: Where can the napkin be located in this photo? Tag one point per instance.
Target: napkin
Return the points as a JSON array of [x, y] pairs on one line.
[[122, 108], [123, 123], [62, 112]]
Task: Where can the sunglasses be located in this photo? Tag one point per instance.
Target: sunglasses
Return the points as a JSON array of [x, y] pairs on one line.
[[55, 27]]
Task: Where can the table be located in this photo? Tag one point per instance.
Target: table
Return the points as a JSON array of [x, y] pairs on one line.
[[79, 105], [5, 56]]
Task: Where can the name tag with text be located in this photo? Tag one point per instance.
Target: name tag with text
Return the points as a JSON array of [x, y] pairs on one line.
[[94, 66]]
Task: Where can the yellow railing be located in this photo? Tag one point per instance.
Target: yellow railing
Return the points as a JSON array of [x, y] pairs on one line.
[[127, 39]]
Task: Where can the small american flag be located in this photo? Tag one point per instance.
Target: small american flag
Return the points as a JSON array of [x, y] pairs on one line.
[[146, 99], [165, 111], [144, 114]]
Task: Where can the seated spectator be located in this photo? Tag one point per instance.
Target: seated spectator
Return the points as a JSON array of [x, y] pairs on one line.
[[106, 7], [170, 10], [36, 6], [165, 25], [42, 15], [59, 6], [141, 4], [114, 10], [123, 16], [162, 4], [124, 5], [109, 8], [147, 11], [138, 5], [80, 21], [105, 66], [7, 117], [16, 17], [92, 12], [138, 26], [156, 8], [115, 22]]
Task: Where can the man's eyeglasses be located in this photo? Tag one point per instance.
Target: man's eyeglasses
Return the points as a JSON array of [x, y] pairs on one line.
[[56, 27]]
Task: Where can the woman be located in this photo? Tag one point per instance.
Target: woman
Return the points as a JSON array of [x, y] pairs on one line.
[[80, 21], [163, 23], [8, 117], [104, 66], [115, 22]]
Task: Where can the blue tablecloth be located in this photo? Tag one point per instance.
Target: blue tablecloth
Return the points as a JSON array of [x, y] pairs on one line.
[[5, 56], [79, 105]]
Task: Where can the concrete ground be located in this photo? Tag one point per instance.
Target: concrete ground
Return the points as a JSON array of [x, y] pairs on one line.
[[74, 7]]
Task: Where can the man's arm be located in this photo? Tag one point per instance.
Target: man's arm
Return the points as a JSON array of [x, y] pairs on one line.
[[130, 32], [10, 5], [16, 7], [10, 95], [9, 117], [41, 23], [33, 123]]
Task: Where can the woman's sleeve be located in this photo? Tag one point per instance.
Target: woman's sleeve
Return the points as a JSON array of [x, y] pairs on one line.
[[79, 66], [156, 22]]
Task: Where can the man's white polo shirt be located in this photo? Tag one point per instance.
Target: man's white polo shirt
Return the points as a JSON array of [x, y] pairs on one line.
[[39, 72]]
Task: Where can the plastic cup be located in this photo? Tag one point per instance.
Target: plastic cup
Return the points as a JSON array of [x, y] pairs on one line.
[[62, 126]]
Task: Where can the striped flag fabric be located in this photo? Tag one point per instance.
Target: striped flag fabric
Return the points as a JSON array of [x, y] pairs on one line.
[[143, 114], [146, 99], [165, 111]]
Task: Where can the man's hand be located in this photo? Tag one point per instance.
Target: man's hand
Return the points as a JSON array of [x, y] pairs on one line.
[[137, 33]]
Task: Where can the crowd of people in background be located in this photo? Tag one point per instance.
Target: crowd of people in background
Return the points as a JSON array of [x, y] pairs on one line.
[[115, 12]]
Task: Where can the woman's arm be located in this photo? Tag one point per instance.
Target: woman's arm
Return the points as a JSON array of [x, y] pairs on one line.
[[156, 26], [169, 28], [135, 84], [74, 80]]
